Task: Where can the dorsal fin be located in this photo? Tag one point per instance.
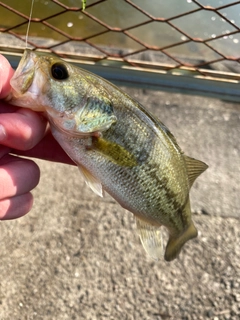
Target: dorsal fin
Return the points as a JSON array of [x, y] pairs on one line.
[[194, 168], [168, 133]]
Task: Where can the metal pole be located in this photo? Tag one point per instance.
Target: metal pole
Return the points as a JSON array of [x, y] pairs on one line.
[[191, 83]]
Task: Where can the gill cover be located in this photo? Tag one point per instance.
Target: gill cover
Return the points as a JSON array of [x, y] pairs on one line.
[[95, 115]]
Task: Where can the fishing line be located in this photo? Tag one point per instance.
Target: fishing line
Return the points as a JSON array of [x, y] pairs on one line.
[[29, 22]]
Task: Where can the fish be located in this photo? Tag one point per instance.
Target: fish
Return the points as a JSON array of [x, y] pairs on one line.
[[118, 145]]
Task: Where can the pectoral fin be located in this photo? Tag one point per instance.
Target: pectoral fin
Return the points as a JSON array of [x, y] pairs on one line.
[[95, 115], [91, 181], [151, 238], [116, 153]]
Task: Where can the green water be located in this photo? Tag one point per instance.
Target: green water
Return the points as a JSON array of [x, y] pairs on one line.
[[118, 14]]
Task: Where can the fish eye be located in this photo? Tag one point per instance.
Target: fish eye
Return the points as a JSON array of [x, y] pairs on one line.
[[59, 71]]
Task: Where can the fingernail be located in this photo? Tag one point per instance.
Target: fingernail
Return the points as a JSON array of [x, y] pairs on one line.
[[3, 134]]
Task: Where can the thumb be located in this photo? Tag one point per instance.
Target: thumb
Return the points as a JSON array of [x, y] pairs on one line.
[[6, 73]]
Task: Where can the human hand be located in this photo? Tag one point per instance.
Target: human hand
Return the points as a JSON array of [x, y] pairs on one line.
[[22, 132]]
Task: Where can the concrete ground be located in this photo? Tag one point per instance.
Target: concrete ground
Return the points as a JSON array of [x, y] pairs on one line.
[[77, 256]]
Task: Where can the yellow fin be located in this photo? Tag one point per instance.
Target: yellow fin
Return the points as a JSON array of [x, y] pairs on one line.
[[194, 168], [91, 181], [175, 243], [115, 152], [151, 239]]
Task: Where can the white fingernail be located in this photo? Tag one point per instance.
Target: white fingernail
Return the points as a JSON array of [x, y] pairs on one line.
[[2, 133]]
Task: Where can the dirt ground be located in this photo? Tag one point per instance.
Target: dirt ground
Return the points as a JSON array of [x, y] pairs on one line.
[[77, 256]]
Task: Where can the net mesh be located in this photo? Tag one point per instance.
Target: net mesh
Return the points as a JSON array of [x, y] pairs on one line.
[[193, 38]]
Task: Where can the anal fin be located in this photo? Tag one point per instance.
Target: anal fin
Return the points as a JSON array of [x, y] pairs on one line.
[[151, 238], [91, 181]]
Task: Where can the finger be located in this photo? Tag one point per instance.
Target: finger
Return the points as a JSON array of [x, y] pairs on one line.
[[22, 129], [3, 151], [6, 73], [17, 176], [47, 149], [5, 107], [16, 207]]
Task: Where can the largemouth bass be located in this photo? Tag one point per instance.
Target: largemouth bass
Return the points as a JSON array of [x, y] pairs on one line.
[[117, 144]]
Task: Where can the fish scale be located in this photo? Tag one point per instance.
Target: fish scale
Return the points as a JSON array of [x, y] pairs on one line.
[[117, 144]]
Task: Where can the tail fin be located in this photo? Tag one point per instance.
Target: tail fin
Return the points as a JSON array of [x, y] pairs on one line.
[[175, 244]]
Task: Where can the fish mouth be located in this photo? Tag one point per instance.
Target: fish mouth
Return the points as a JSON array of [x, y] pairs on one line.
[[27, 83], [23, 77]]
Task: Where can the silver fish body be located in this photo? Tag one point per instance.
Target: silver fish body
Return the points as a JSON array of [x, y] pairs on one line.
[[117, 144]]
